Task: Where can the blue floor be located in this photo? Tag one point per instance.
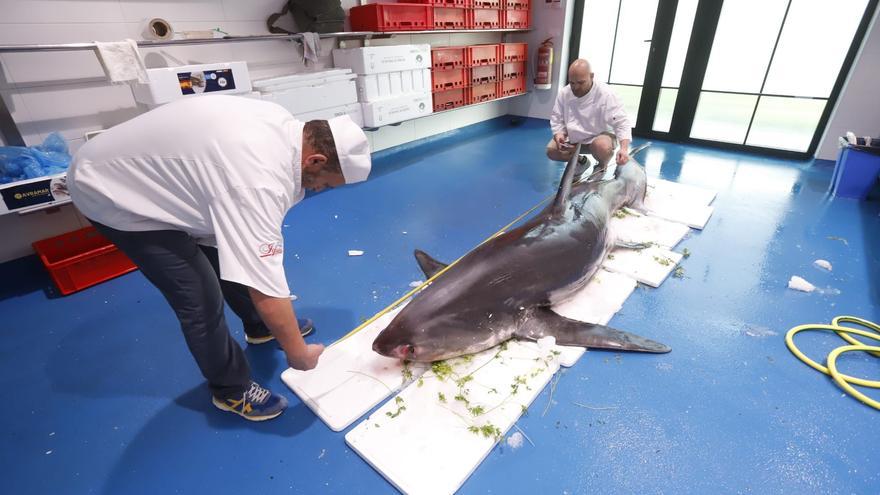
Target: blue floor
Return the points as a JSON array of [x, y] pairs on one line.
[[101, 395]]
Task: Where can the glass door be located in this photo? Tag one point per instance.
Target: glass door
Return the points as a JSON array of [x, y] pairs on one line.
[[768, 86], [615, 37], [745, 74]]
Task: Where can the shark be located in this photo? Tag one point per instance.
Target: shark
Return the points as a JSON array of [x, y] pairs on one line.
[[505, 288]]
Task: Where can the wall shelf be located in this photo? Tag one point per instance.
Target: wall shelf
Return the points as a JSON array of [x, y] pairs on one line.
[[353, 35]]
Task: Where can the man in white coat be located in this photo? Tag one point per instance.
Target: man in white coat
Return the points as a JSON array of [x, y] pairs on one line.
[[587, 112], [195, 193]]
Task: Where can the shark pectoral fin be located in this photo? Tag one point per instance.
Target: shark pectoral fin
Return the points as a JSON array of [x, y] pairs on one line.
[[429, 265], [543, 322]]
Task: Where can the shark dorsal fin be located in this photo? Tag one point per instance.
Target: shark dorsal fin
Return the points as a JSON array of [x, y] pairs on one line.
[[564, 190], [429, 265]]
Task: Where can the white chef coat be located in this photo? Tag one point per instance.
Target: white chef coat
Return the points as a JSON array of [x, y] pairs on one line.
[[223, 169], [584, 118]]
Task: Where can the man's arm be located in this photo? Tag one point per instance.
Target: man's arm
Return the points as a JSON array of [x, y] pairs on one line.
[[557, 121], [277, 313], [619, 121]]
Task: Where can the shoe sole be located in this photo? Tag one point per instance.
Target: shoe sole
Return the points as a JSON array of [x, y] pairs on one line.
[[270, 338], [224, 407]]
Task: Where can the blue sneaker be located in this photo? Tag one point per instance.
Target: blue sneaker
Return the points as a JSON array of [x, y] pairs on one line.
[[257, 404], [306, 327]]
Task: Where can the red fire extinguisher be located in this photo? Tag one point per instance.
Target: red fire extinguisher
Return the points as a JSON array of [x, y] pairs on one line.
[[543, 77]]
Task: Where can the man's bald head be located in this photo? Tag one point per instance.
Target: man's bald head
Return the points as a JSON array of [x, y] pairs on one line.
[[580, 77]]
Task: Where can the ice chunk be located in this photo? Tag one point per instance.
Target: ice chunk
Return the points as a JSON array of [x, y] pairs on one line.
[[797, 283], [515, 441], [823, 264]]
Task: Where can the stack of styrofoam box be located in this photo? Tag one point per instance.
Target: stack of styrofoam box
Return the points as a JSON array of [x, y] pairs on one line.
[[393, 82], [318, 95]]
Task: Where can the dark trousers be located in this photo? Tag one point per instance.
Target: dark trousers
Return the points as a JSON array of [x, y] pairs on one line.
[[188, 275]]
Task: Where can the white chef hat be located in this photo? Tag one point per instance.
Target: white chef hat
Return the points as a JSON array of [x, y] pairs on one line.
[[352, 147]]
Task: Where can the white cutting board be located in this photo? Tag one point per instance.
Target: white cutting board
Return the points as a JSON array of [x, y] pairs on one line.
[[350, 378], [680, 203], [595, 303], [427, 448]]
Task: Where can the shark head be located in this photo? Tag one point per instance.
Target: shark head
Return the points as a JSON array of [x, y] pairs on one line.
[[437, 334]]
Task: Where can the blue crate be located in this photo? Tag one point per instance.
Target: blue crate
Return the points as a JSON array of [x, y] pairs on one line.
[[855, 173]]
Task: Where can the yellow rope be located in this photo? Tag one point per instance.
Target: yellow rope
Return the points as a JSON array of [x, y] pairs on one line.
[[844, 381]]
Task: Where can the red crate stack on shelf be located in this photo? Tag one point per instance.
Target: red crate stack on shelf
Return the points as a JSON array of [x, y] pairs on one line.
[[423, 15], [466, 75]]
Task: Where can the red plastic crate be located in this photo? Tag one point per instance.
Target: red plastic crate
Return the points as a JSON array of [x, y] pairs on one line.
[[450, 18], [483, 55], [514, 52], [486, 19], [442, 80], [516, 4], [443, 3], [81, 259], [484, 74], [449, 57], [445, 100], [392, 17], [512, 87], [486, 4], [513, 70], [481, 92], [516, 19]]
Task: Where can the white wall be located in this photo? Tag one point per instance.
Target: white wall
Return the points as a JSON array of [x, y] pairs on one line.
[[67, 91], [548, 21], [858, 108]]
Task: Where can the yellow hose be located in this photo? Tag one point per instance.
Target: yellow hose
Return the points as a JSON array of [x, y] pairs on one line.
[[844, 332]]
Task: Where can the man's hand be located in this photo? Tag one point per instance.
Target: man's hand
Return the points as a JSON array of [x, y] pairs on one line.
[[308, 360], [561, 140], [623, 154]]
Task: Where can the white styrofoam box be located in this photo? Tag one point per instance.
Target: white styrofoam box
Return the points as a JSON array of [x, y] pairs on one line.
[[376, 59], [375, 87], [33, 228], [596, 303], [395, 110], [350, 378], [649, 266], [422, 441], [333, 92], [353, 110], [218, 78], [301, 79]]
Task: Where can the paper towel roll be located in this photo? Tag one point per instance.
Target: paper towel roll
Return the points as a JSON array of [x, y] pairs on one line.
[[158, 29]]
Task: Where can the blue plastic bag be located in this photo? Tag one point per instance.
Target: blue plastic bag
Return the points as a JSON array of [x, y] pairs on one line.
[[20, 163]]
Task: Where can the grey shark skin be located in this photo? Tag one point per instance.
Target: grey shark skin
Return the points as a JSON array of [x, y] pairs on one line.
[[504, 288]]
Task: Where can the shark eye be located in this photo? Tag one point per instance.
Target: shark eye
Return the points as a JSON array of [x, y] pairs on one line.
[[410, 350]]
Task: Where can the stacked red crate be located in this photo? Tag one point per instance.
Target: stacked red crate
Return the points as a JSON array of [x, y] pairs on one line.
[[422, 15], [465, 75]]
